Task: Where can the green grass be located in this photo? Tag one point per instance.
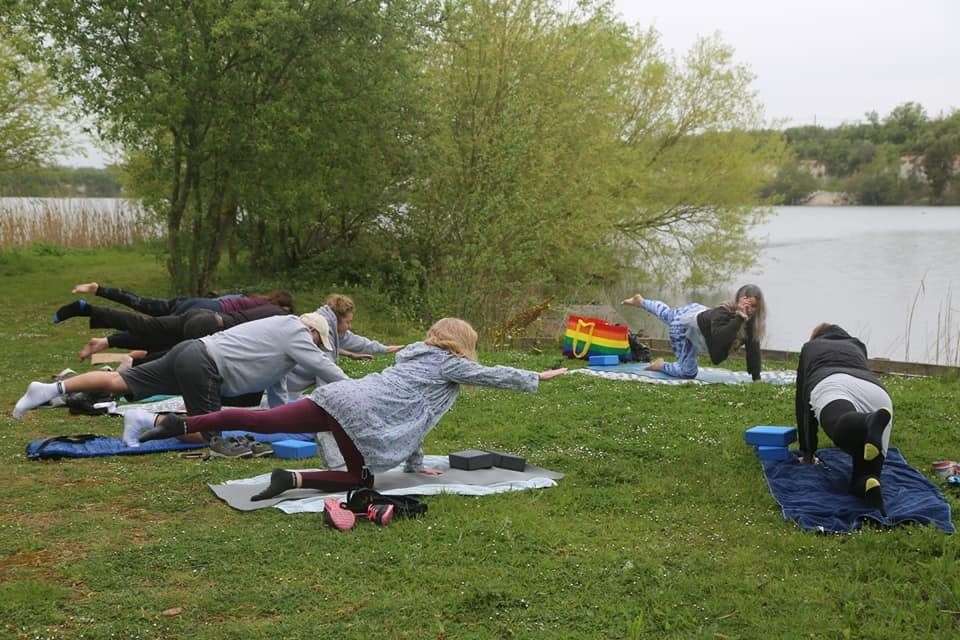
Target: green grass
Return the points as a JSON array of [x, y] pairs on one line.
[[663, 527]]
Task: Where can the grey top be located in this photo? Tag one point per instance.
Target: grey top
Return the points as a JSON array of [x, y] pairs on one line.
[[388, 414], [299, 379], [254, 356]]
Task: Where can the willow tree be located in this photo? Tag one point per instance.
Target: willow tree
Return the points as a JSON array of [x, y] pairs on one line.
[[563, 149], [211, 98]]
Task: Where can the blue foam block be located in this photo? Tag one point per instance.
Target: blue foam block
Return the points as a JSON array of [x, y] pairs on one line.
[[604, 361], [773, 453], [768, 436], [294, 449]]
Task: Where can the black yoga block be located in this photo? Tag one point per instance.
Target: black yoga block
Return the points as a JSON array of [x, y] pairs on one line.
[[508, 461], [471, 459]]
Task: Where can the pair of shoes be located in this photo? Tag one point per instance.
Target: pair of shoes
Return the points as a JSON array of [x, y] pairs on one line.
[[229, 448], [257, 449], [337, 516]]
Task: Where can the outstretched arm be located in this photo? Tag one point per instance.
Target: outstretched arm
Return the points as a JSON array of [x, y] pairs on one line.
[[464, 371]]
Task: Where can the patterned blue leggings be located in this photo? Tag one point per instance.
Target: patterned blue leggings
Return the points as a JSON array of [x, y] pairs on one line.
[[686, 364]]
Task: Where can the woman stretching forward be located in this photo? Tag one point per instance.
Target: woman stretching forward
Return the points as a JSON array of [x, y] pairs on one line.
[[695, 328], [379, 420]]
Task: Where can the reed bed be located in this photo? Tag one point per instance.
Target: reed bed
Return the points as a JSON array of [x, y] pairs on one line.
[[73, 222]]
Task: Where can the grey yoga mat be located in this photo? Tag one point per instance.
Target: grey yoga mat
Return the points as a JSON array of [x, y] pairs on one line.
[[237, 493]]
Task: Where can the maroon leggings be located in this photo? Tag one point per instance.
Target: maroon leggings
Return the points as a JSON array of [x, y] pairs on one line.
[[302, 416]]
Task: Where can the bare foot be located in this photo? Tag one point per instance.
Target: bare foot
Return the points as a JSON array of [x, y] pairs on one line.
[[656, 365], [634, 301], [90, 287], [96, 345]]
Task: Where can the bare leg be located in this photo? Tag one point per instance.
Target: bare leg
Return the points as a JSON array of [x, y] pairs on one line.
[[95, 345], [105, 381]]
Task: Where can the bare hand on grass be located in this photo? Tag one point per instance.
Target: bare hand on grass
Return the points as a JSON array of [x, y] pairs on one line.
[[90, 287]]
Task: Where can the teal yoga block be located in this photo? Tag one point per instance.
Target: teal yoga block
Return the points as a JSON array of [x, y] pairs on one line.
[[768, 436], [604, 361], [292, 449], [773, 453]]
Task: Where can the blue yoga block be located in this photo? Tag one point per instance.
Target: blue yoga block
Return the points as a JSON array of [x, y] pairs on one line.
[[768, 436], [294, 449], [604, 361], [773, 453]]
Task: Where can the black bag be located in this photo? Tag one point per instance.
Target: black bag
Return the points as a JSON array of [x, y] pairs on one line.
[[403, 506], [639, 351], [81, 403]]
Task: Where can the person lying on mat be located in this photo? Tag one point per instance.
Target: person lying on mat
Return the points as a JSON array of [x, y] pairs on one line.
[[695, 328], [837, 390], [174, 306], [378, 421], [246, 359], [160, 333], [338, 310]]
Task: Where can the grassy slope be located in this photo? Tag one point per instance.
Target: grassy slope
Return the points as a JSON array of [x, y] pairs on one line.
[[662, 528]]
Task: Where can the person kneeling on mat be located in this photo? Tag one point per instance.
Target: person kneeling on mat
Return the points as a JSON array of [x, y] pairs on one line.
[[836, 389], [378, 421], [248, 358], [719, 331]]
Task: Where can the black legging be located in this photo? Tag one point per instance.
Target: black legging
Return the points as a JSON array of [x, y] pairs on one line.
[[153, 333], [157, 306]]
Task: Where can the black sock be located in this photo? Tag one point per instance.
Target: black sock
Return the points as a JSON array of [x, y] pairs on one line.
[[876, 423], [76, 308], [873, 495], [166, 425], [280, 480]]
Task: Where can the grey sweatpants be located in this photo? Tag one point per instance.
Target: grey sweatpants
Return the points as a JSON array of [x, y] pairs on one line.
[[187, 370]]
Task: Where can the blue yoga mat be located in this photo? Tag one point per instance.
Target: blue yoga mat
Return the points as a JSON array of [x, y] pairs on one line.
[[706, 375], [816, 497], [94, 446]]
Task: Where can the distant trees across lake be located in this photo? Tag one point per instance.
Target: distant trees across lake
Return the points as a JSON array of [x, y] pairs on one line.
[[60, 182], [905, 158]]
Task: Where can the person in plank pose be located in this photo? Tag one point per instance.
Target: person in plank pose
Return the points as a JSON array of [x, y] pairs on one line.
[[378, 421], [138, 331], [718, 331], [836, 390], [172, 306]]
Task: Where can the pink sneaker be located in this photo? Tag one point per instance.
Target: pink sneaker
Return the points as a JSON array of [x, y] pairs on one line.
[[380, 514], [336, 516]]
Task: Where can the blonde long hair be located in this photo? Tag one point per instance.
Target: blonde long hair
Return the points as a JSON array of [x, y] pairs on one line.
[[453, 335], [759, 319]]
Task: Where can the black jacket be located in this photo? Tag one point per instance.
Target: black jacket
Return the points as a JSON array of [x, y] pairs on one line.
[[834, 351], [720, 328]]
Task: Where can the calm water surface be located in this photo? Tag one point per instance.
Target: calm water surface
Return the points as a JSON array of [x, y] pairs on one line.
[[890, 275]]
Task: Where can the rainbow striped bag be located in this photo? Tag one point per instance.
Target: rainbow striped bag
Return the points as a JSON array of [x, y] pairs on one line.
[[587, 337]]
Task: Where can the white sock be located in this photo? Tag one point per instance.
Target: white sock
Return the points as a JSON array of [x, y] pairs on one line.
[[135, 423], [38, 393]]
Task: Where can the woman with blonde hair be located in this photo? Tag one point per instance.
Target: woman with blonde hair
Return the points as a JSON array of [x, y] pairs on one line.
[[719, 331], [378, 421]]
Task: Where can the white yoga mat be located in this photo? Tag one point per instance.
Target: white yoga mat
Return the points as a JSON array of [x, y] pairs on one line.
[[481, 482]]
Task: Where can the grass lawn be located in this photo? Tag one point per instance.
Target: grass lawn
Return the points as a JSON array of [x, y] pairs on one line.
[[663, 527]]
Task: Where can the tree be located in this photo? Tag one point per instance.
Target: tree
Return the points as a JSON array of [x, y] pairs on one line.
[[561, 146], [30, 112], [941, 149], [210, 99]]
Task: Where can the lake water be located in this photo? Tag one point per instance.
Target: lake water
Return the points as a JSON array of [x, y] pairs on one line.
[[890, 275]]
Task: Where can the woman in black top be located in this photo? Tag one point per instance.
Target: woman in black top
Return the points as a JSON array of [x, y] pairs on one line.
[[695, 328], [837, 390]]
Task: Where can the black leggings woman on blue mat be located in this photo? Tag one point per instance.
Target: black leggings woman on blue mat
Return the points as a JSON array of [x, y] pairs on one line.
[[836, 390]]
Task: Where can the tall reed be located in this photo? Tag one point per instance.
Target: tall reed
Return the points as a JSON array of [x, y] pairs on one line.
[[77, 223]]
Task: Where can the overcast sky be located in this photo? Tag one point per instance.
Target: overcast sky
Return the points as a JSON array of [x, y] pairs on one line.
[[832, 60]]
